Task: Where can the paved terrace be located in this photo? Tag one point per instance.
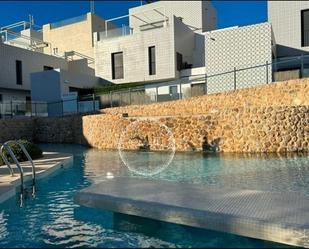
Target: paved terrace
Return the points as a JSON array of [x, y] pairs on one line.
[[282, 218], [48, 164]]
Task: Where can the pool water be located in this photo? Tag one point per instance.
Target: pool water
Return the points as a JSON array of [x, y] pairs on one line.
[[52, 219]]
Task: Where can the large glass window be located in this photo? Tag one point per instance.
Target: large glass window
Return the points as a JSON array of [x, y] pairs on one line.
[[117, 65], [305, 28], [152, 60], [19, 73]]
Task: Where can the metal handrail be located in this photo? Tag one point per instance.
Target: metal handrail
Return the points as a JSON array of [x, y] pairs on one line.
[[21, 171], [25, 152], [6, 161]]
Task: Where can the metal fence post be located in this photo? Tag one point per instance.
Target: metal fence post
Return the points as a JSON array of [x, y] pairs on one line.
[[235, 78], [180, 89], [11, 109], [93, 102], [35, 114], [62, 113], [266, 72], [205, 85], [111, 98], [157, 91], [302, 65], [130, 97]]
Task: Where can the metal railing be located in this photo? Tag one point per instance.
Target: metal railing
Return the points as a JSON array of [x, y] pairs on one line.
[[21, 109], [201, 84], [7, 147]]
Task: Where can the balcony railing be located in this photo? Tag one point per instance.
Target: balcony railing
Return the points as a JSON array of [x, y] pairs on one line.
[[116, 32]]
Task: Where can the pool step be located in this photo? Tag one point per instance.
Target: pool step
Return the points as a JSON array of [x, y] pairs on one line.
[[282, 218]]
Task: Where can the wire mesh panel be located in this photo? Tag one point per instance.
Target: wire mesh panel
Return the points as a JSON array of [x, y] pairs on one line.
[[125, 98], [287, 69], [39, 109], [105, 100], [70, 107], [115, 99], [138, 97], [55, 109], [220, 83]]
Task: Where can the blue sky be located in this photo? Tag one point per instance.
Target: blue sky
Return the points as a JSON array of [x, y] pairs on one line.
[[230, 13]]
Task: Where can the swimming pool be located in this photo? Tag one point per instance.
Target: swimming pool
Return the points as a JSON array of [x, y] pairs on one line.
[[52, 219]]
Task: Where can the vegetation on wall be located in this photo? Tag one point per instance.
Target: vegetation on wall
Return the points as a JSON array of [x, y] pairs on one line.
[[34, 151], [115, 87]]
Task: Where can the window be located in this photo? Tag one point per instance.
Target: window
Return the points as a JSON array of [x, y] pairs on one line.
[[46, 68], [173, 90], [152, 60], [19, 72], [117, 65], [179, 61], [305, 28]]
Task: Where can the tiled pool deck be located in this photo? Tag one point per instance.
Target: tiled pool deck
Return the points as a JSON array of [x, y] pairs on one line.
[[48, 164], [277, 217]]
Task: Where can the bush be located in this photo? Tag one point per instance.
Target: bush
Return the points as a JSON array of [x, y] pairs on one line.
[[34, 151]]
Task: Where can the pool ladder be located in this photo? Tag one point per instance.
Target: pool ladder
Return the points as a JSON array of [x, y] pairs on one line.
[[6, 147]]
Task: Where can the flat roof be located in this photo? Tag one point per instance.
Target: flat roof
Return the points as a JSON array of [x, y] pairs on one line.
[[277, 217]]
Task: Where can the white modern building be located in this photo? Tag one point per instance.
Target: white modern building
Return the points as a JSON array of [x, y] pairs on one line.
[[290, 23], [162, 38], [172, 47]]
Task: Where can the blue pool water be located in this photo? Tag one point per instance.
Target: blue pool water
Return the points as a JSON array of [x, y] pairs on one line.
[[52, 219]]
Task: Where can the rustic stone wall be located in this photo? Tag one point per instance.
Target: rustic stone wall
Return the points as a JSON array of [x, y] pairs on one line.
[[16, 129], [272, 118], [59, 130], [264, 129], [288, 93]]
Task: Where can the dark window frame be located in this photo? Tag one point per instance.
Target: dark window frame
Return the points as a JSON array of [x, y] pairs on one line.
[[179, 61], [115, 68], [47, 68], [152, 60], [19, 72], [303, 44]]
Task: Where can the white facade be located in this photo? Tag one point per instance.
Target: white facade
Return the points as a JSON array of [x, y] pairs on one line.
[[238, 47], [59, 82], [31, 62], [172, 27], [175, 37], [285, 18]]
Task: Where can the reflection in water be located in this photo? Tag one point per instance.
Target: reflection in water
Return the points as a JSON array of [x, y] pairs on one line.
[[53, 220]]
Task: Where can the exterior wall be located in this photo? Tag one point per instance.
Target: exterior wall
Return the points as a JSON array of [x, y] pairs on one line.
[[234, 130], [285, 18], [50, 85], [77, 36], [80, 67], [16, 129], [31, 62], [271, 118], [199, 15], [184, 41], [135, 55], [239, 47], [287, 93]]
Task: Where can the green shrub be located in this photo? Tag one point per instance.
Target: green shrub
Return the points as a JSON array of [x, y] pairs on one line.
[[34, 151]]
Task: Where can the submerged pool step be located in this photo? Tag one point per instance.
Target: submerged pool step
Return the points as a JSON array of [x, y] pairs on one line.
[[282, 218]]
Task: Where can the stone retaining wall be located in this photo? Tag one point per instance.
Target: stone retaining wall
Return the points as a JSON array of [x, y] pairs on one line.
[[272, 129], [289, 93], [16, 129], [273, 118]]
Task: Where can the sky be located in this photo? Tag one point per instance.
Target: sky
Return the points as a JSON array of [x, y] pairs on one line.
[[230, 13]]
